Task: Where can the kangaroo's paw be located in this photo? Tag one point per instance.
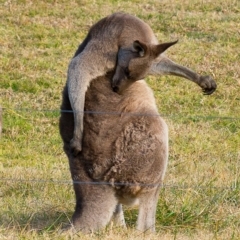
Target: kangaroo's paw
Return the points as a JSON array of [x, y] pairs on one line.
[[207, 84], [76, 146]]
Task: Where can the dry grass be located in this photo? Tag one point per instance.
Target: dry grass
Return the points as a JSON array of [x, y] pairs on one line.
[[202, 195]]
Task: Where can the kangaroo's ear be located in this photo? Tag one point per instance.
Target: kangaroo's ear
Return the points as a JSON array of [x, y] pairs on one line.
[[160, 48], [140, 47]]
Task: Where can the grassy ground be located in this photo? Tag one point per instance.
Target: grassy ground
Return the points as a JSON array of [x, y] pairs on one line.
[[201, 199]]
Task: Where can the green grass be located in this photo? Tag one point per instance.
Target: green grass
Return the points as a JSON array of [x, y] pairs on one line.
[[201, 199]]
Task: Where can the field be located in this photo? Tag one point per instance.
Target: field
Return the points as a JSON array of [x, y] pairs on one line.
[[201, 195]]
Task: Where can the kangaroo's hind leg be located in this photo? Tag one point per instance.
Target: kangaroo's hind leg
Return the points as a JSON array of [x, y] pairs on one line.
[[95, 202], [118, 216], [147, 210]]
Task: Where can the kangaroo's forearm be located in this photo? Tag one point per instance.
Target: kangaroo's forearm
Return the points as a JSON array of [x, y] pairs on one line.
[[167, 67], [82, 70]]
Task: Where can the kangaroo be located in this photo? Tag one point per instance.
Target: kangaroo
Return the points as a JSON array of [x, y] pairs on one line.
[[124, 155], [128, 45]]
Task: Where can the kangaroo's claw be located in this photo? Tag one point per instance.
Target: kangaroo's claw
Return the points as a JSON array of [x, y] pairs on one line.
[[76, 146], [207, 84]]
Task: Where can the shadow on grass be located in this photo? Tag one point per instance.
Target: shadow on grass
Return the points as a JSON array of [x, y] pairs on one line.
[[40, 221]]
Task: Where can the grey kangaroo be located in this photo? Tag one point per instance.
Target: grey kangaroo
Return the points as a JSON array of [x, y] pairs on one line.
[[124, 155], [126, 44]]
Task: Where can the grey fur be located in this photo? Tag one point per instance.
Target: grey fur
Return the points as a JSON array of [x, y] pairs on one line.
[[121, 147], [97, 55], [153, 63], [120, 38], [164, 66]]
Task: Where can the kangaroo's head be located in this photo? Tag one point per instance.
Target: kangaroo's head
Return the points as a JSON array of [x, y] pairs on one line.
[[134, 62]]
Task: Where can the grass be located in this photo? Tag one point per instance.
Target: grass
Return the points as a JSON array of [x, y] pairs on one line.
[[201, 198]]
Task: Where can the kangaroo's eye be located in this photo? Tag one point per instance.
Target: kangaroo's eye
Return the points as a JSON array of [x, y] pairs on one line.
[[127, 72]]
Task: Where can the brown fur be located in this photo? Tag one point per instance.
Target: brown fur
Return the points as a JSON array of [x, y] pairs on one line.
[[126, 148], [127, 143]]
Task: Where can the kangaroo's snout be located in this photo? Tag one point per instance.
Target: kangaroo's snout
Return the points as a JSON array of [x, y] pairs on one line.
[[115, 89], [115, 84]]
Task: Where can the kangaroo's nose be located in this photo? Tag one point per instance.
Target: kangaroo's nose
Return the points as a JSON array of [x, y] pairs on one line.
[[115, 89]]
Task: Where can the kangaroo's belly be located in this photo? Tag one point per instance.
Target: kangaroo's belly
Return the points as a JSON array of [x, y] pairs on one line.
[[126, 149]]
